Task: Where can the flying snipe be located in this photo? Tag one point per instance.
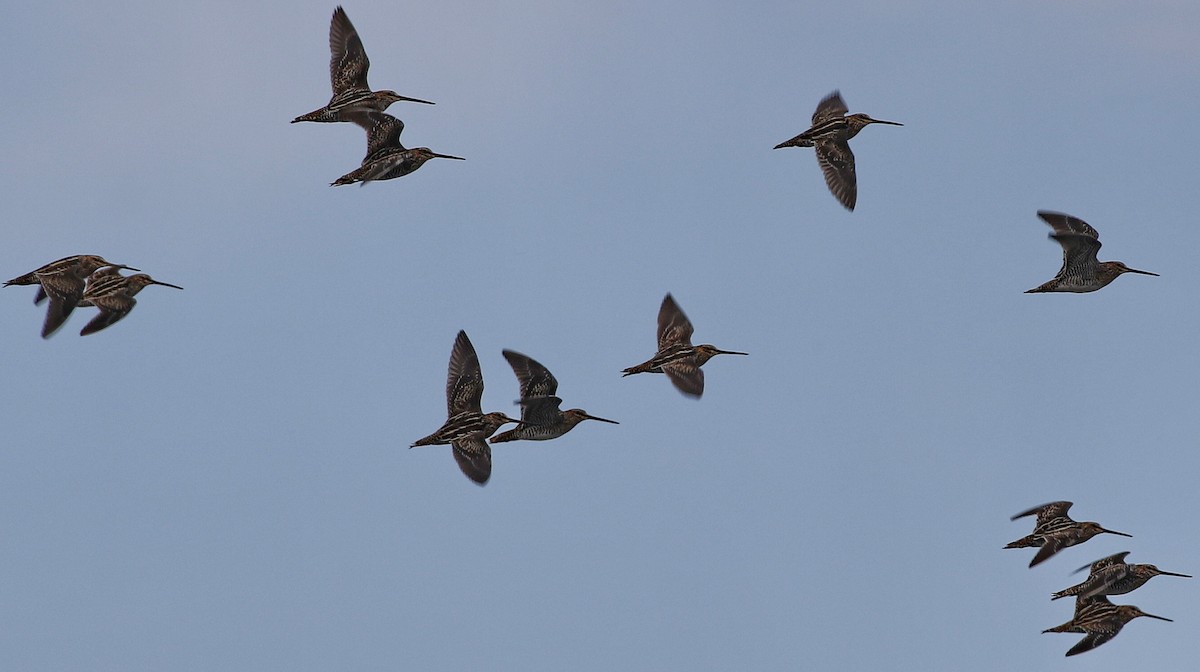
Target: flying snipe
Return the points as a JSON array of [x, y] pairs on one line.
[[98, 276], [113, 295], [64, 282], [386, 158], [830, 134], [676, 355], [348, 65], [541, 419], [1111, 575], [1100, 620], [467, 427], [1055, 531], [1080, 272]]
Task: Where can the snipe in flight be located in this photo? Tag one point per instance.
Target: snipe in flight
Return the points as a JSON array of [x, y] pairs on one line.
[[1100, 620], [1055, 531], [676, 355], [1080, 272], [1111, 575], [386, 158], [830, 135], [113, 295], [348, 65], [64, 282], [467, 427], [541, 417]]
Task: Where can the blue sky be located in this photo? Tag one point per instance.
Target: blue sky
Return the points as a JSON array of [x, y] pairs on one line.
[[222, 480]]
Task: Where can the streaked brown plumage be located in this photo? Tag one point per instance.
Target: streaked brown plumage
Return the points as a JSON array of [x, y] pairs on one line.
[[541, 418], [348, 65], [676, 356], [830, 134], [1055, 531], [64, 281], [386, 158], [113, 295], [1111, 575], [467, 427], [1100, 620], [1081, 271]]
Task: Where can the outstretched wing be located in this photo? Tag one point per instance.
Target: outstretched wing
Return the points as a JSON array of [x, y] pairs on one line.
[[383, 130], [113, 308], [1080, 243], [673, 326], [535, 380], [541, 410], [464, 379], [1090, 641], [474, 457], [64, 291], [1106, 561], [837, 163], [687, 377], [348, 63], [830, 107], [1046, 512]]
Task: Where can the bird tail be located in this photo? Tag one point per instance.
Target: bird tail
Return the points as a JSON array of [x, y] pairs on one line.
[[510, 435], [316, 115]]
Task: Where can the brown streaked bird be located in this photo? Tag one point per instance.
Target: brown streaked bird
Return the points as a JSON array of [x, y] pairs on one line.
[[1100, 620], [676, 355], [830, 135], [113, 295], [97, 276], [1080, 272], [541, 418], [64, 282], [1055, 531], [1111, 575], [386, 158], [467, 427], [348, 65]]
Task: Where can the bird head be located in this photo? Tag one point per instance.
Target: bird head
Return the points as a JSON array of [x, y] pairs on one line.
[[574, 416]]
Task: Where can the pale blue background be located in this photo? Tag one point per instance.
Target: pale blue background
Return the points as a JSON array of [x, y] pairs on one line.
[[222, 481]]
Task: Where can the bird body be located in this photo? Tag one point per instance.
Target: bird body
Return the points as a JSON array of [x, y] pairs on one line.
[[113, 295], [1055, 530], [348, 65], [466, 428], [830, 134], [1081, 272], [1111, 575], [541, 416], [386, 158], [676, 356], [1100, 620], [64, 282]]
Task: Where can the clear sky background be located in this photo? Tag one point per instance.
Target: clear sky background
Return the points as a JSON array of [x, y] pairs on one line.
[[222, 480]]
